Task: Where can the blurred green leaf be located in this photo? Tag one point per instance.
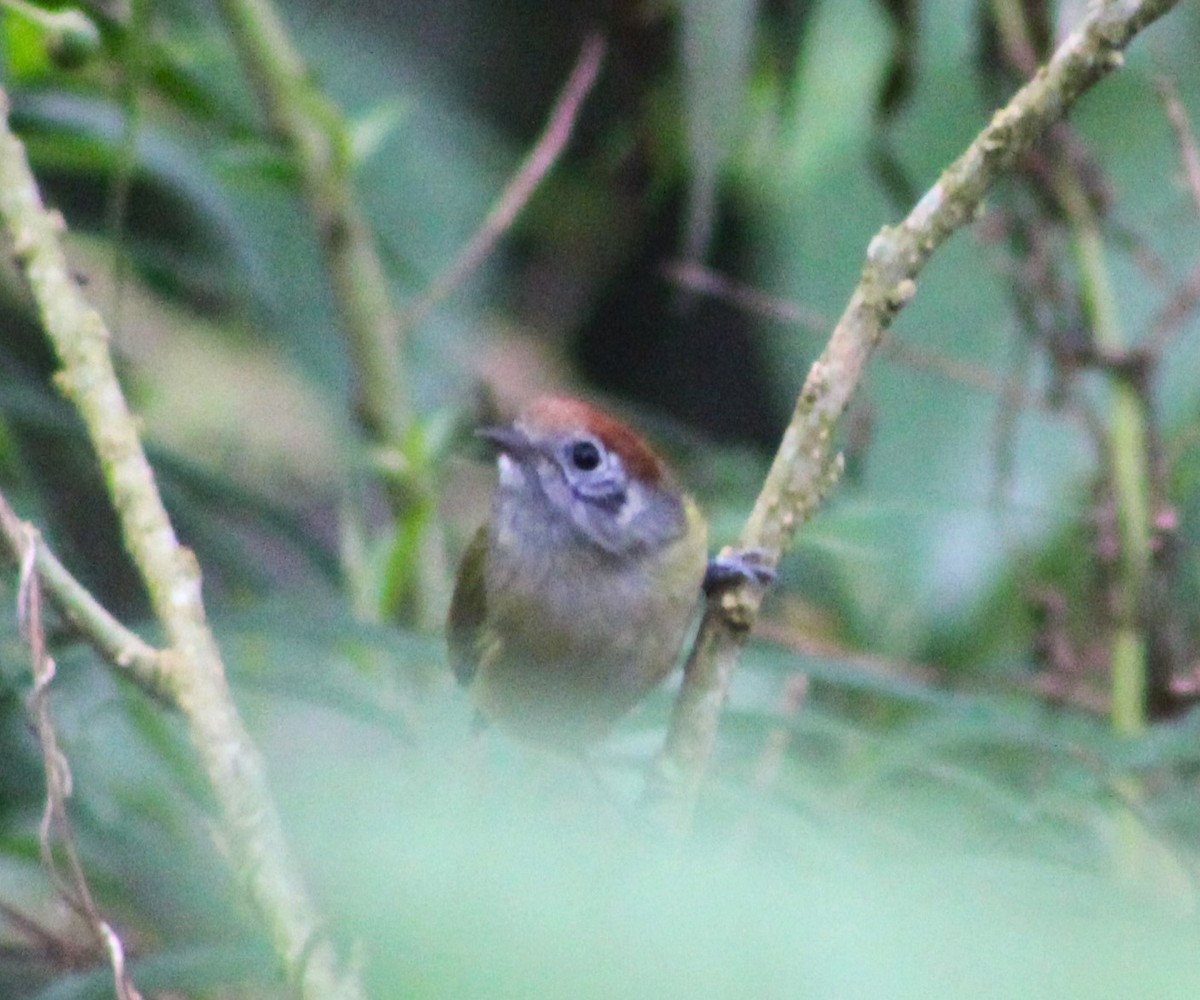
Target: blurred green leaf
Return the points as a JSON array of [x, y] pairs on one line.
[[369, 131]]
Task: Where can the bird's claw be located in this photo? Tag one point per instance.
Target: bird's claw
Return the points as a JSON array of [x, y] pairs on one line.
[[732, 567]]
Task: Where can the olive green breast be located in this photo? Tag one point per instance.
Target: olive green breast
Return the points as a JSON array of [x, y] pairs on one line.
[[558, 643]]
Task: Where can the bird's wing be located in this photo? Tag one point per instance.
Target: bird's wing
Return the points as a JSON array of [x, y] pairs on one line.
[[467, 609]]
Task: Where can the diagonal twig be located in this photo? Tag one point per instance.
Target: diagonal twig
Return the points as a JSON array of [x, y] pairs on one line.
[[125, 649], [520, 188], [1185, 137], [804, 466]]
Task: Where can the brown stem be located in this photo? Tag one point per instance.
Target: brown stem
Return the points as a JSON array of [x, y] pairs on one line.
[[521, 187]]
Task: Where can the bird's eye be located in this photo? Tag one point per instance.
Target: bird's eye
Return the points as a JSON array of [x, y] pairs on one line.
[[585, 456]]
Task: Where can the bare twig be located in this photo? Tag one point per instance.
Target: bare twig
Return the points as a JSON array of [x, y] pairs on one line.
[[706, 281], [541, 158], [126, 650], [56, 949], [55, 827], [1171, 317], [1185, 138], [258, 850], [801, 472], [1186, 298], [521, 187]]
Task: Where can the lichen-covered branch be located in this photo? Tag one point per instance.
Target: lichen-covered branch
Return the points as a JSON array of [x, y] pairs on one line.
[[803, 467], [196, 675]]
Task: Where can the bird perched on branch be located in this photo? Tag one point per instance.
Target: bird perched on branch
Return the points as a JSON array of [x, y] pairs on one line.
[[573, 600]]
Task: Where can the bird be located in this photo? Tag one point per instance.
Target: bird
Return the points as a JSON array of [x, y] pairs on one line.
[[574, 598]]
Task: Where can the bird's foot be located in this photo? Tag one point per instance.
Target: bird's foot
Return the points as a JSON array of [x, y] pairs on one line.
[[732, 567]]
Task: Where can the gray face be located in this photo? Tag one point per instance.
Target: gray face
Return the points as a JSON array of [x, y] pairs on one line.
[[586, 487]]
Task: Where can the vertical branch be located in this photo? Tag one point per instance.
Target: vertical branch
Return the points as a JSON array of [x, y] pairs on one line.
[[196, 674], [1129, 462], [313, 129]]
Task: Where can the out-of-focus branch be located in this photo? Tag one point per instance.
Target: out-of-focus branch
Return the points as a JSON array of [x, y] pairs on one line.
[[512, 200], [126, 650], [521, 187], [195, 676], [1128, 463], [313, 129], [803, 467], [55, 827], [705, 281], [1185, 137]]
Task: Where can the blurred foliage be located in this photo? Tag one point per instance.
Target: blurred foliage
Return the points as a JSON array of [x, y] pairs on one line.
[[916, 792]]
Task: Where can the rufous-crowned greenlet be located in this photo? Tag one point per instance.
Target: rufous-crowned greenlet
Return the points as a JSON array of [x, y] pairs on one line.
[[573, 600]]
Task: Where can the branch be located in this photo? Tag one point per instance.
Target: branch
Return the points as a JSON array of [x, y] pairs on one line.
[[72, 885], [803, 469], [521, 187], [312, 128], [1185, 138], [127, 650], [196, 678]]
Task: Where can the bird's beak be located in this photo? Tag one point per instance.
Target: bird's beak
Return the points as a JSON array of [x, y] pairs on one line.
[[507, 439]]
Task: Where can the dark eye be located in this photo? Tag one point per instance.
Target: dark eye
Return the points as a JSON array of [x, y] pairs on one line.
[[585, 456]]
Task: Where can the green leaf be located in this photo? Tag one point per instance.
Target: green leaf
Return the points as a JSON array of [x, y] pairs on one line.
[[370, 130]]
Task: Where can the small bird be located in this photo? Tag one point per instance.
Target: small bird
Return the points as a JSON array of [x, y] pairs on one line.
[[573, 600]]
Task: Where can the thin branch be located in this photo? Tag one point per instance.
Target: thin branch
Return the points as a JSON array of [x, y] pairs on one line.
[[55, 828], [1184, 300], [251, 827], [713, 284], [1128, 461], [521, 187], [803, 468], [125, 649], [1171, 317], [58, 950], [1185, 137]]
